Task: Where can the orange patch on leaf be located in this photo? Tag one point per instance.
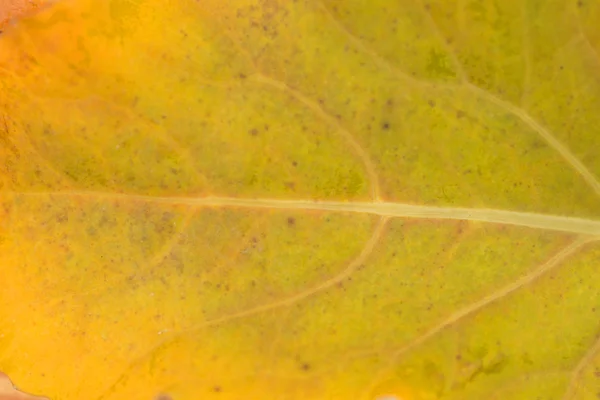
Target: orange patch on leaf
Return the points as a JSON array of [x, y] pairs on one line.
[[10, 10]]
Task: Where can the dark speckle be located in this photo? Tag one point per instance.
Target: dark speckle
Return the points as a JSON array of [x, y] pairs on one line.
[[253, 132], [385, 126], [305, 367], [290, 185], [460, 114], [217, 389], [163, 396], [295, 163], [63, 217], [431, 103], [291, 221]]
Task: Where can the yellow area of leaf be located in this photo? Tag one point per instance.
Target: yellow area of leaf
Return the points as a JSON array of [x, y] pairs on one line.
[[301, 200]]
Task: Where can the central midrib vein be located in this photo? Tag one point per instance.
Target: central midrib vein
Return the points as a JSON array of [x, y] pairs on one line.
[[389, 209]]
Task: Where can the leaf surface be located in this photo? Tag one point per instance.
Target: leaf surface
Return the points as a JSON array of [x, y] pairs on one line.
[[301, 200]]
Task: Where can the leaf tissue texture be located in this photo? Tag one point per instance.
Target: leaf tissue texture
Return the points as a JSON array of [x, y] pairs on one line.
[[11, 10], [310, 199]]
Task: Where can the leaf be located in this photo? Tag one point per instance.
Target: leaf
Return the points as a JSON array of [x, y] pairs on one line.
[[301, 200], [9, 392], [11, 10]]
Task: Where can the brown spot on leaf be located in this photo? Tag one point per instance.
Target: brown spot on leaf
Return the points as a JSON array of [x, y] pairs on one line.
[[290, 185], [305, 367]]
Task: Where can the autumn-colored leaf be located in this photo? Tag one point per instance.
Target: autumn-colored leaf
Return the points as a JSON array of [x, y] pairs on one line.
[[9, 392], [309, 199], [11, 10]]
